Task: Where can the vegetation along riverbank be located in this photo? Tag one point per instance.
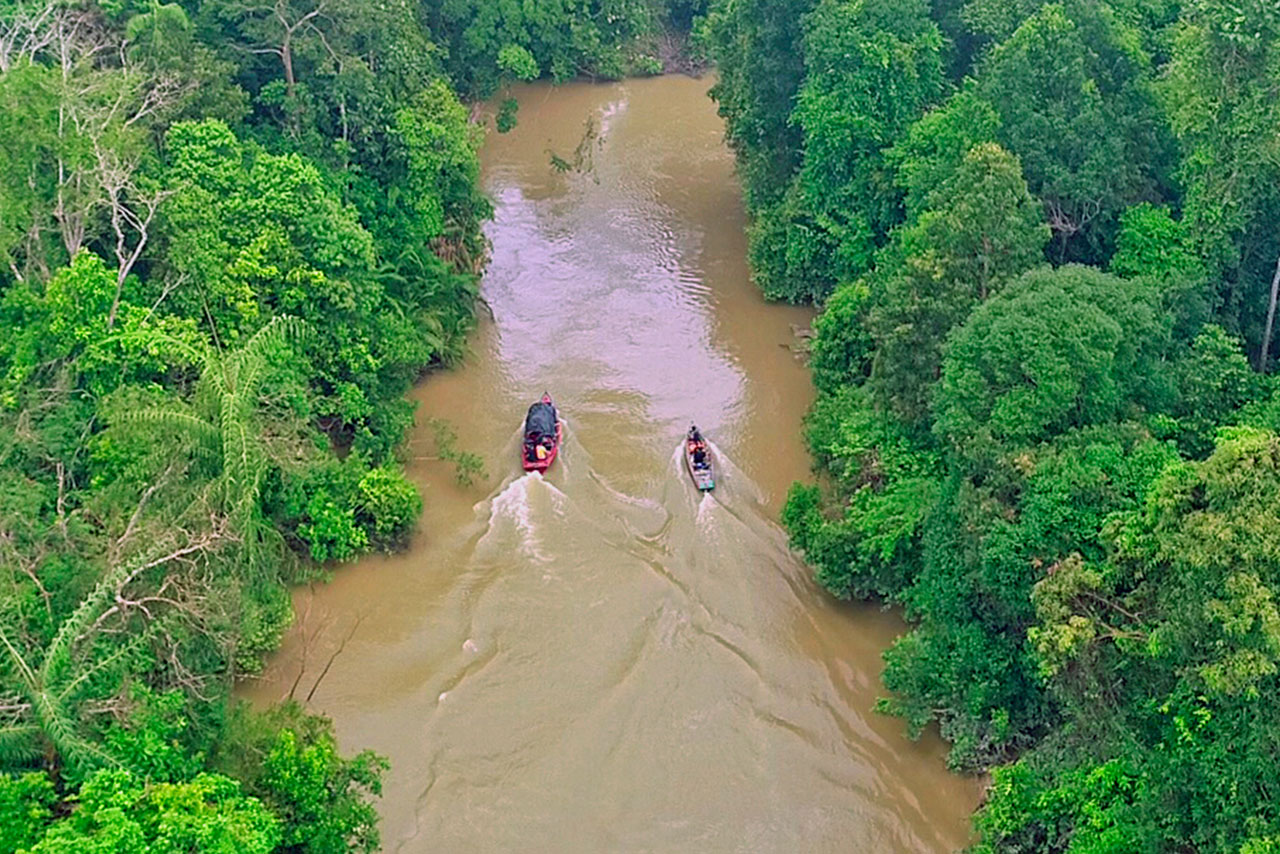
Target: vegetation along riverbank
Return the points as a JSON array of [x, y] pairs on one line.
[[233, 236], [1044, 239]]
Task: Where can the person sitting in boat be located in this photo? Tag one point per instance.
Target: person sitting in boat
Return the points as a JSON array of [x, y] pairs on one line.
[[694, 434], [540, 427], [540, 451], [700, 456]]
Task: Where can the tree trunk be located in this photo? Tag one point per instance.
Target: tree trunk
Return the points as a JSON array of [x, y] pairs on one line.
[[286, 59], [1271, 317]]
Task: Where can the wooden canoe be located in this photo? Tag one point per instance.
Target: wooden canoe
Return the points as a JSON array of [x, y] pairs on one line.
[[703, 475]]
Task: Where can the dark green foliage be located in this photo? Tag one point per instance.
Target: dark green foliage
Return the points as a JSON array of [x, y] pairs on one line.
[[984, 546], [280, 241], [1010, 451], [289, 760], [872, 69], [933, 147], [487, 44], [505, 120], [888, 482], [1075, 103], [1214, 382], [800, 254], [760, 60], [233, 235], [1183, 605], [842, 346], [1222, 91], [1056, 350], [810, 103], [978, 230]]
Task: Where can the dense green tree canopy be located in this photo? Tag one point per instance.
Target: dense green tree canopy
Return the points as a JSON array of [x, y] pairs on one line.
[[1013, 445], [758, 49], [1223, 91], [1056, 350], [812, 94], [118, 812], [871, 69], [1076, 105], [980, 229]]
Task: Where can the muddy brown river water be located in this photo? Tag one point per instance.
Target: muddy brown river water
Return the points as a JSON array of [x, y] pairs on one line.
[[603, 660]]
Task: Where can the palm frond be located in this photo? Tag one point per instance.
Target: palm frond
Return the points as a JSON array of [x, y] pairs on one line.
[[197, 428], [82, 756], [58, 654], [199, 356], [252, 358], [281, 330], [104, 664], [79, 754], [24, 670], [19, 744], [241, 466]]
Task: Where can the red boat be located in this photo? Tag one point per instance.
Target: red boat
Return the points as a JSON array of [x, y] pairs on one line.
[[542, 434]]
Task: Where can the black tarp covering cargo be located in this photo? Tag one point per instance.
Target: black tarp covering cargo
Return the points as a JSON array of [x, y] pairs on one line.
[[540, 422]]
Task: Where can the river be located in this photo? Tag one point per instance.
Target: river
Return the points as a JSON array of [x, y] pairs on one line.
[[602, 660]]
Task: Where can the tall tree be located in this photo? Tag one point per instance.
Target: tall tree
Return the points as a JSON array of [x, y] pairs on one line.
[[1223, 91], [1076, 105], [1056, 350], [75, 144], [1172, 644], [931, 149], [758, 49], [224, 426], [79, 665], [872, 67], [982, 229]]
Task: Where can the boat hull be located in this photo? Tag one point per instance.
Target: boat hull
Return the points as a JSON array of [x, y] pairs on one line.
[[545, 463], [703, 478]]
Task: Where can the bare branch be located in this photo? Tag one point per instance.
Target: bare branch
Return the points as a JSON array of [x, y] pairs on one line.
[[334, 657], [137, 512], [27, 33], [205, 542]]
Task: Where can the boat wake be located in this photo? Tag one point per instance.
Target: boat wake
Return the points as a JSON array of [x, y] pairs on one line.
[[645, 616], [513, 516]]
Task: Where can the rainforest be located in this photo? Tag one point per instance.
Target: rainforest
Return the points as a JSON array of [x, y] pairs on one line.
[[1044, 237], [280, 278]]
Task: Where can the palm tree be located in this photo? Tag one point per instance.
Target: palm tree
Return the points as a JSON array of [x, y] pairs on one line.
[[222, 424], [45, 720]]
